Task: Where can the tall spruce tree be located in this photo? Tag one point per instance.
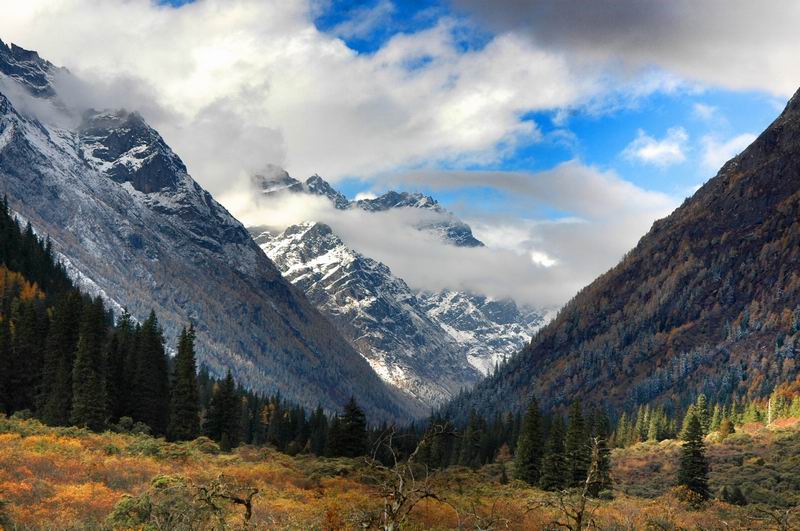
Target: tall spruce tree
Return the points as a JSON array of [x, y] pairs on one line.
[[350, 436], [5, 366], [554, 464], [120, 375], [703, 415], [693, 466], [529, 450], [62, 342], [150, 390], [222, 421], [88, 373], [576, 447], [184, 413]]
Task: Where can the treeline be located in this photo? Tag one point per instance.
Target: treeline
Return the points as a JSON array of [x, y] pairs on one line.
[[657, 424]]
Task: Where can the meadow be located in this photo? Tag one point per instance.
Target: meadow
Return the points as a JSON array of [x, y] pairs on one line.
[[70, 478]]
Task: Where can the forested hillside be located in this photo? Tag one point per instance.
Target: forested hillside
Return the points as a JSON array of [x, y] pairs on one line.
[[707, 302]]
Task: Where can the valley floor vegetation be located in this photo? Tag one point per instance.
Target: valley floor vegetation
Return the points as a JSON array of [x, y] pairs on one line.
[[74, 478]]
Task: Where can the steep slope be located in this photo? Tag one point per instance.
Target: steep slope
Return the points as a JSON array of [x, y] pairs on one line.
[[435, 219], [490, 330], [120, 205], [708, 301], [375, 310]]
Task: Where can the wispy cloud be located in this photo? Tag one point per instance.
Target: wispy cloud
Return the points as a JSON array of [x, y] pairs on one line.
[[660, 152], [717, 152]]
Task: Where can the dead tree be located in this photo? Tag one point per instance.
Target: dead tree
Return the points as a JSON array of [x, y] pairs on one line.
[[231, 491], [576, 506], [405, 481]]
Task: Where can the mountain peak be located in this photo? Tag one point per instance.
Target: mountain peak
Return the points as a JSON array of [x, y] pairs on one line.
[[123, 146], [318, 186], [28, 69]]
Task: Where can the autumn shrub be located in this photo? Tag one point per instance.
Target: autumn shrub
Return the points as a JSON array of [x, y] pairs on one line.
[[204, 445], [688, 497], [169, 504]]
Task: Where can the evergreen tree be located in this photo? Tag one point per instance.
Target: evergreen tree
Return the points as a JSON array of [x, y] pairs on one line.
[[5, 366], [528, 459], [554, 465], [576, 447], [62, 342], [350, 437], [701, 410], [120, 372], [222, 421], [150, 390], [693, 465], [88, 373], [184, 414], [318, 432]]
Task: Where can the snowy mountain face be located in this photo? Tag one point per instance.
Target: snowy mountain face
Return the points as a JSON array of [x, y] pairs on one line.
[[429, 345], [119, 205], [439, 222], [380, 315], [490, 330]]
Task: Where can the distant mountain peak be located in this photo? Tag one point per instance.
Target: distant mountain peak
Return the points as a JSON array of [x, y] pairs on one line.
[[318, 186], [444, 223], [28, 69]]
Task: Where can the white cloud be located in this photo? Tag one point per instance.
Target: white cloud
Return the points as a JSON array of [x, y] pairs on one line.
[[716, 152], [737, 44], [704, 111], [364, 20], [236, 84], [669, 150], [365, 195]]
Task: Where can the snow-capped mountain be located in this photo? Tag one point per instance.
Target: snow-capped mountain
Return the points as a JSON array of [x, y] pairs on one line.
[[119, 204], [380, 315], [438, 220], [490, 330], [429, 345]]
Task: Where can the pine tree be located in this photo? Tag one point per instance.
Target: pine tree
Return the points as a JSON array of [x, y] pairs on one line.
[[528, 458], [576, 447], [701, 410], [693, 466], [350, 437], [5, 366], [554, 465], [184, 414], [88, 373], [62, 341], [222, 421], [716, 417], [150, 390]]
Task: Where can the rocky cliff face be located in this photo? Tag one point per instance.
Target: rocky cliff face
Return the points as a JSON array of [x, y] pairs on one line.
[[120, 205]]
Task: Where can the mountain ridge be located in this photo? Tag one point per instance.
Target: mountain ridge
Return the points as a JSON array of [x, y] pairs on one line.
[[705, 303]]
